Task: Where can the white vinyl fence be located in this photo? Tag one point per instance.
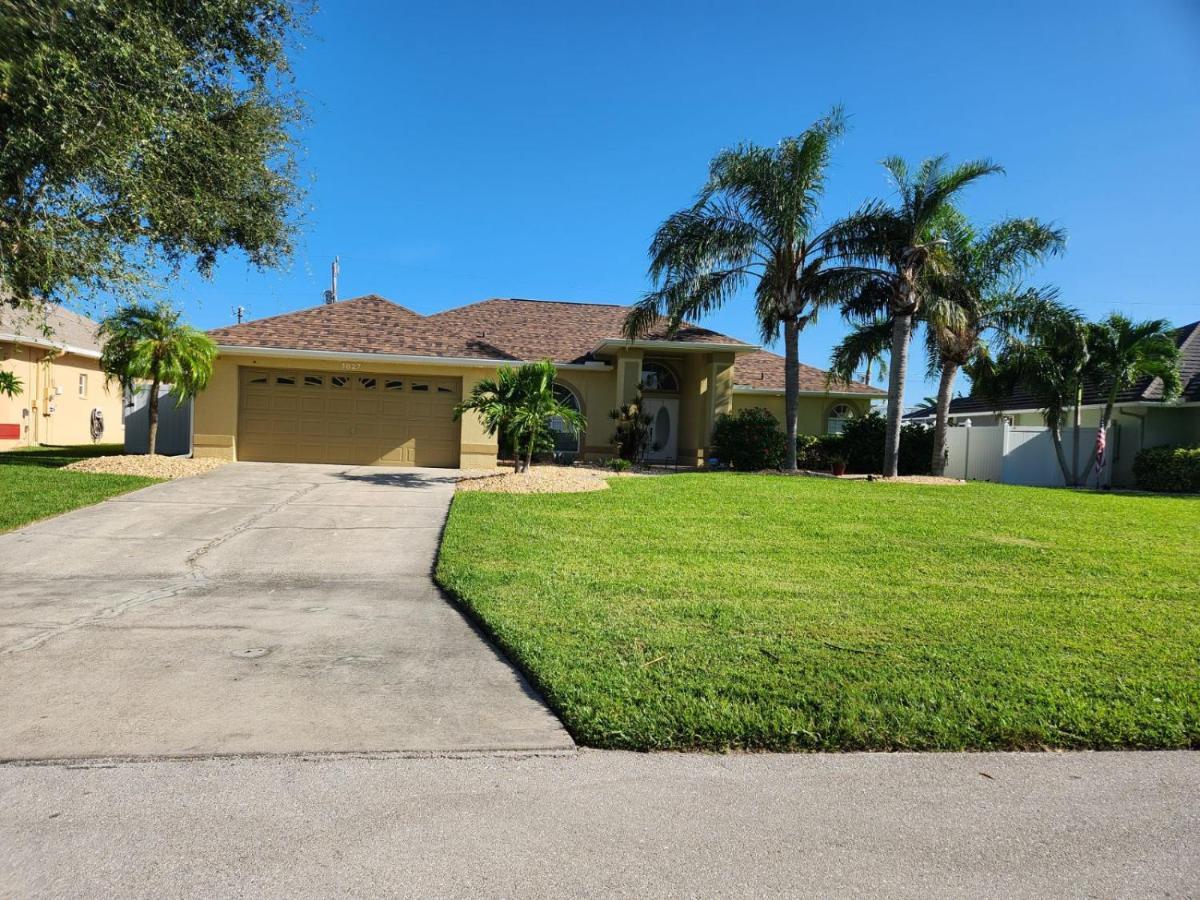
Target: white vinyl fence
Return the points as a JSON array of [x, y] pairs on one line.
[[174, 423], [1020, 454]]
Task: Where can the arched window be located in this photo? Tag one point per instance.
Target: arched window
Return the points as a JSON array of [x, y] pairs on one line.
[[838, 416], [564, 441], [657, 377]]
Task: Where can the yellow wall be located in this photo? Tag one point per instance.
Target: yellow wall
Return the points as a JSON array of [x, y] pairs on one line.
[[706, 391], [812, 415], [216, 408], [42, 372]]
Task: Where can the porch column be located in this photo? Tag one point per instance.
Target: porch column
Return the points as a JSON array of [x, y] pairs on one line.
[[629, 375], [716, 389]]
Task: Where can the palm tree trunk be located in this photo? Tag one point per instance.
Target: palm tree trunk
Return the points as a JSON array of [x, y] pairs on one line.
[[791, 389], [152, 411], [1056, 438], [901, 335], [1076, 421], [942, 421]]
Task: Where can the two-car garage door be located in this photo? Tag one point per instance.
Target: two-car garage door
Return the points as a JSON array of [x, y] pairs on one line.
[[350, 417]]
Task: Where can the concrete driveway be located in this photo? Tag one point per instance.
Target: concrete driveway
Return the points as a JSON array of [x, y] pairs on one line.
[[260, 608]]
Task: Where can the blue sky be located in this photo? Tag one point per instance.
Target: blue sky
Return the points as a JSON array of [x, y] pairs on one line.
[[459, 151]]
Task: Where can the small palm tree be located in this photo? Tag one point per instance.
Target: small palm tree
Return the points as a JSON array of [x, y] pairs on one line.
[[754, 220], [148, 343], [10, 384], [520, 403], [903, 245], [1124, 352], [1052, 362]]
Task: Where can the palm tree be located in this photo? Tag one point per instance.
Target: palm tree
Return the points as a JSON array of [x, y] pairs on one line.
[[1123, 352], [982, 299], [1052, 362], [904, 247], [519, 404], [148, 343], [10, 384], [754, 220]]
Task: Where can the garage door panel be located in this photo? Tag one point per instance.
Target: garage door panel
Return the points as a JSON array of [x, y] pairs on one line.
[[359, 419]]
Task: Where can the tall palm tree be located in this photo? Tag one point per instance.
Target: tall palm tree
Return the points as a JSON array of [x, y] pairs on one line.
[[982, 299], [520, 403], [148, 343], [1052, 362], [1124, 352], [903, 245], [753, 221]]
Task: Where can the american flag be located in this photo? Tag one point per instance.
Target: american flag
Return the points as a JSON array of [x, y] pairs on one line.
[[1100, 442]]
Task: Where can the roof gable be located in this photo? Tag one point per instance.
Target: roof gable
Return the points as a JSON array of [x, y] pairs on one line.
[[53, 324]]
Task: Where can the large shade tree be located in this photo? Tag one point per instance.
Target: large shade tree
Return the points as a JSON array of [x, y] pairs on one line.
[[520, 404], [754, 221], [148, 344], [904, 245], [139, 135]]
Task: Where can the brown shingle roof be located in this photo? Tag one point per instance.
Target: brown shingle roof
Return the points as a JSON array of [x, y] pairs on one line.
[[763, 370], [501, 329]]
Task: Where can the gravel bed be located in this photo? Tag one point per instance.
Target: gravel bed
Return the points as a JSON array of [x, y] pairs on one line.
[[148, 466], [538, 480], [899, 479]]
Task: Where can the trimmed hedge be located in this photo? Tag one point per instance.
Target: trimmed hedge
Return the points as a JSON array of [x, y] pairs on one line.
[[1166, 468], [749, 440]]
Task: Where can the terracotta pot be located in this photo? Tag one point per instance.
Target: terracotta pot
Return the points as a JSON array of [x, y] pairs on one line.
[[838, 468]]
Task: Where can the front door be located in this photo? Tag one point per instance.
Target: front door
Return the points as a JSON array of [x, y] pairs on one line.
[[663, 445]]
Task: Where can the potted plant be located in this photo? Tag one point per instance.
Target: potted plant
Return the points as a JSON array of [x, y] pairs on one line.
[[837, 464]]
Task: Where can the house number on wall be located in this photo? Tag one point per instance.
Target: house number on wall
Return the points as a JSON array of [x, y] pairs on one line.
[[351, 366]]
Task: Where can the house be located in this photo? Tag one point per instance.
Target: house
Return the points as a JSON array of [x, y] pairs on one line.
[[65, 398], [366, 381], [1141, 418]]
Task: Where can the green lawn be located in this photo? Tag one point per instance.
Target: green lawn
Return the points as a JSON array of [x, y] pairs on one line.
[[33, 487], [721, 611]]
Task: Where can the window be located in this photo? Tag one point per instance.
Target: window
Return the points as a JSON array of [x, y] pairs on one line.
[[367, 383], [419, 387], [442, 389], [393, 384], [285, 379], [657, 377], [564, 441], [314, 381], [339, 381], [82, 385], [258, 379], [838, 416]]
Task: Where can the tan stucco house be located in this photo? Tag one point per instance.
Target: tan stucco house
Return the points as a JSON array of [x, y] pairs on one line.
[[56, 355], [366, 381]]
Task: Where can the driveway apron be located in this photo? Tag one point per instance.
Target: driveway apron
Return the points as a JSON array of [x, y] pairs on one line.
[[259, 609]]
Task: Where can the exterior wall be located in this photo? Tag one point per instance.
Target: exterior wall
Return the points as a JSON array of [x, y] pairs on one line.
[[42, 373], [812, 415], [216, 409]]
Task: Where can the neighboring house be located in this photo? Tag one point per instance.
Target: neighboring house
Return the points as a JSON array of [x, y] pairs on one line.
[[1140, 417], [56, 355], [366, 381]]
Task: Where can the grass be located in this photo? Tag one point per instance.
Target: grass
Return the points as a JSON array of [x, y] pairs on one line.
[[32, 485], [716, 611]]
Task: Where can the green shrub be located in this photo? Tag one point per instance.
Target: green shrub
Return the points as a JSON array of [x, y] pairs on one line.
[[862, 441], [817, 451], [633, 429], [1173, 469], [620, 465], [749, 440]]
